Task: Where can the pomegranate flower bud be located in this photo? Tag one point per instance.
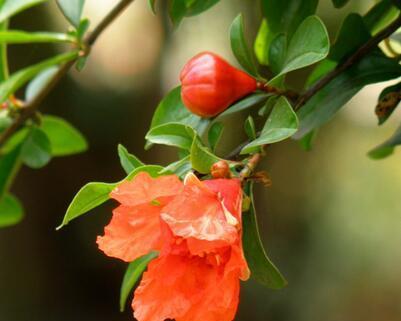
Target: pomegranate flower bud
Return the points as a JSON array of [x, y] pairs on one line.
[[210, 84], [220, 169]]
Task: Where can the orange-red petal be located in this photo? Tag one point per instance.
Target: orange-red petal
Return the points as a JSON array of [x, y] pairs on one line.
[[186, 289], [199, 213], [143, 189], [132, 232]]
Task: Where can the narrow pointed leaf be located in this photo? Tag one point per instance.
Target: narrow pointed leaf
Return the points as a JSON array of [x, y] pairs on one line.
[[248, 102], [72, 10], [262, 268], [128, 161], [132, 275], [387, 148], [18, 36], [214, 135], [9, 164]]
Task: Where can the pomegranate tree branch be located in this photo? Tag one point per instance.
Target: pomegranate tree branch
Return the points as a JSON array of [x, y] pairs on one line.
[[29, 109]]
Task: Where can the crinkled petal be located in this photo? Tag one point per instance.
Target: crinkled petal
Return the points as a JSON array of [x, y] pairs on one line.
[[143, 189], [199, 213], [132, 232], [186, 289]]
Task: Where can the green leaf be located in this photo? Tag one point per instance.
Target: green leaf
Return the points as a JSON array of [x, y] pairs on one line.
[[198, 6], [94, 194], [286, 16], [387, 148], [373, 68], [278, 53], [9, 165], [128, 161], [152, 5], [202, 158], [186, 8], [180, 167], [340, 3], [72, 10], [262, 268], [132, 275], [172, 134], [172, 110], [3, 55], [37, 84], [380, 15], [214, 135], [36, 149], [309, 44], [64, 138], [11, 211], [248, 102], [262, 43], [306, 142], [17, 36], [240, 47], [281, 124], [8, 8], [249, 127], [18, 79]]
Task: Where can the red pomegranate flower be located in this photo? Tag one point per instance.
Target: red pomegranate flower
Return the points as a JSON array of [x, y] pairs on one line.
[[210, 84], [196, 276]]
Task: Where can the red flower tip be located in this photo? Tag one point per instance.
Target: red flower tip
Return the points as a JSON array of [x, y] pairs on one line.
[[210, 84]]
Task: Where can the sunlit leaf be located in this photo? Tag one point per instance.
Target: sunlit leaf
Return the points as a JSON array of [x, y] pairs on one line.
[[281, 124], [262, 268], [132, 275], [11, 211], [95, 193], [128, 161], [37, 84], [380, 15], [64, 138], [202, 158], [3, 54], [180, 167], [18, 36], [172, 134]]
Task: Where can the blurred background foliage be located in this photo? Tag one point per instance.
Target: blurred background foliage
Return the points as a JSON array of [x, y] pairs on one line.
[[331, 219]]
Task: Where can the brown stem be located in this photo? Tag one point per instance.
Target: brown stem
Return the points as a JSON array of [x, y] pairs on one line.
[[250, 166], [355, 57], [29, 109]]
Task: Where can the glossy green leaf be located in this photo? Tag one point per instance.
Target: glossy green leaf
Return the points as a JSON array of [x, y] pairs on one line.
[[262, 43], [172, 110], [262, 268], [72, 10], [19, 78], [64, 138], [11, 211], [278, 52], [180, 167], [248, 102], [94, 194], [309, 44], [17, 36], [132, 275], [373, 68], [8, 8], [286, 16], [214, 135], [3, 54], [128, 161], [340, 3], [240, 47], [202, 158], [36, 148], [198, 6], [281, 124], [387, 148], [186, 8], [9, 165], [177, 11], [172, 134], [249, 127], [268, 106], [37, 84]]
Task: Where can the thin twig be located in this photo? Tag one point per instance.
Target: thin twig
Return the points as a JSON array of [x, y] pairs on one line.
[[29, 109], [355, 57]]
